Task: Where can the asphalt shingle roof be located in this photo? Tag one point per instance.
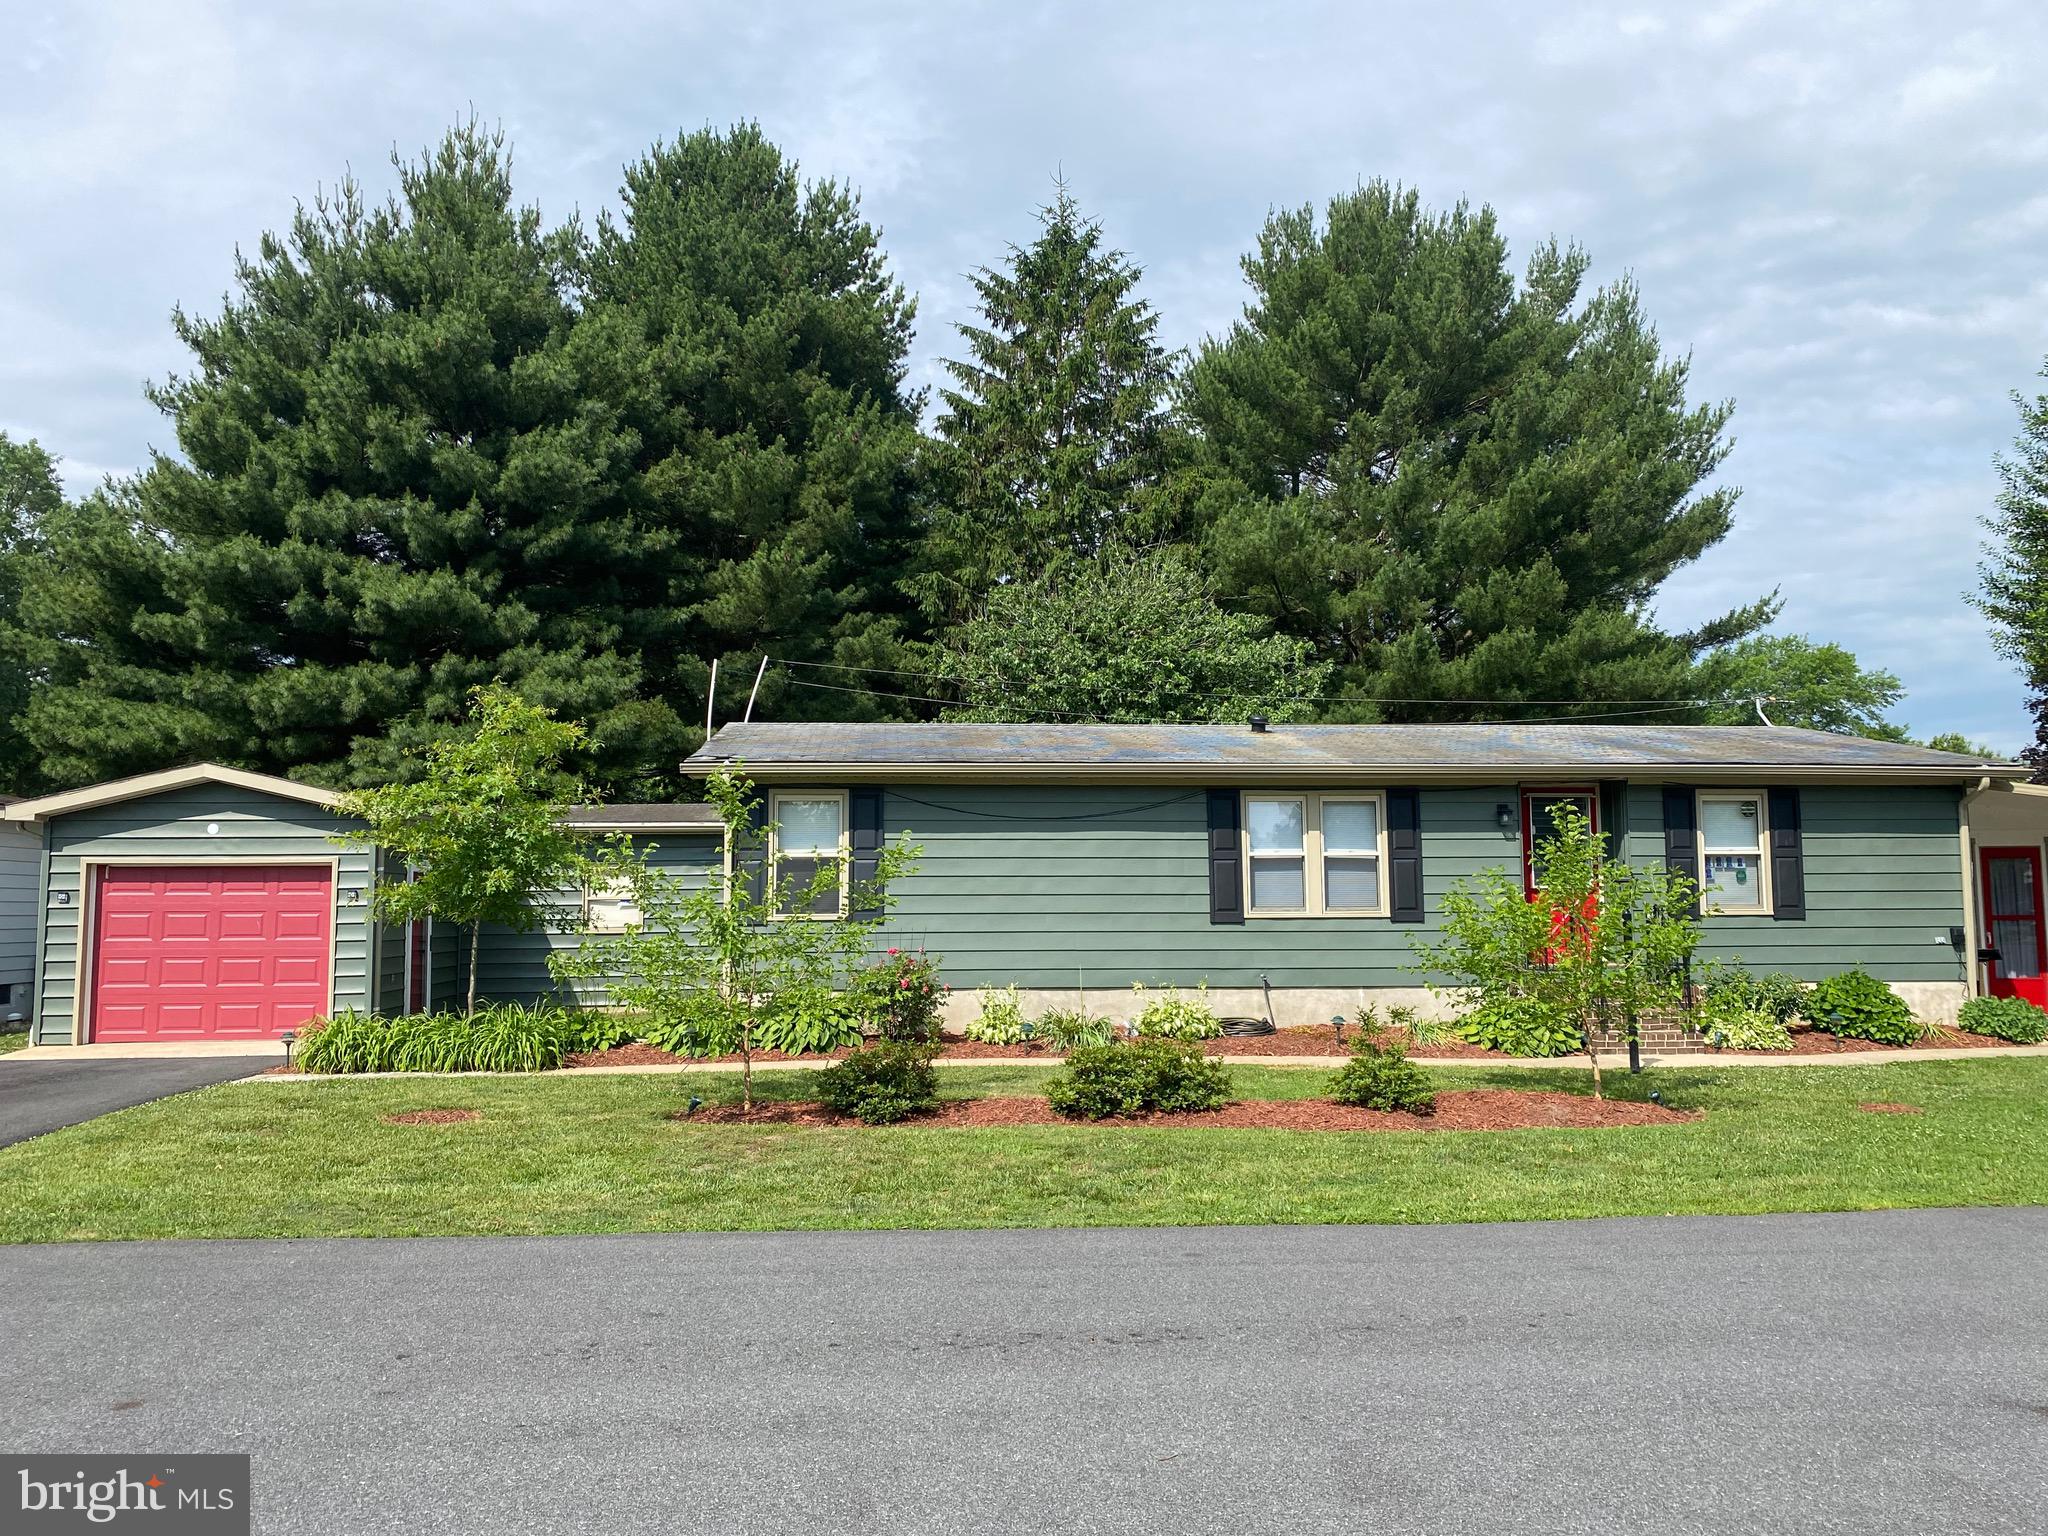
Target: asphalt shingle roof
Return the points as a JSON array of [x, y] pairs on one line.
[[597, 818], [1448, 748]]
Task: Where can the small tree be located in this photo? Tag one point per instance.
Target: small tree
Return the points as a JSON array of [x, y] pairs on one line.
[[1602, 944], [713, 960], [479, 837]]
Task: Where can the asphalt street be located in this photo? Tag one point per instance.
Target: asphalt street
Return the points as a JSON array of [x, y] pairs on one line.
[[37, 1097], [1855, 1373]]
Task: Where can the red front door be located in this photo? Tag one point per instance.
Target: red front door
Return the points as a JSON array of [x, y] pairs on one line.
[[2013, 923], [217, 951]]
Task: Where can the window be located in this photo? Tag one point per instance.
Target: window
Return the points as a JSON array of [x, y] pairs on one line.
[[1539, 821], [1734, 874], [810, 835], [1315, 855], [610, 908]]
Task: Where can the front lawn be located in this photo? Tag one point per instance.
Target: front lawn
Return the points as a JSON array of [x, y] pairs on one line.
[[600, 1154], [13, 1040]]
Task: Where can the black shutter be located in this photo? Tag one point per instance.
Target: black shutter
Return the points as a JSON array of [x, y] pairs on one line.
[[1404, 855], [750, 858], [864, 818], [1226, 880], [1681, 838], [1788, 858], [1614, 818]]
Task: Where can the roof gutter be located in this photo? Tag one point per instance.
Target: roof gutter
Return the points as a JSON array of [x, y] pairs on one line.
[[1221, 774]]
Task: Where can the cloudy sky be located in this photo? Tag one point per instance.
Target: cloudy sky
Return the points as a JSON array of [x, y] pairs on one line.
[[1840, 211]]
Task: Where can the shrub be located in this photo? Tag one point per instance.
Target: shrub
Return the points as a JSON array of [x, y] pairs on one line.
[[1169, 1016], [1001, 1020], [605, 1029], [882, 1084], [1521, 1026], [1066, 1029], [1138, 1077], [1730, 987], [901, 998], [2008, 1018], [1382, 1078], [1730, 1028], [1856, 1005]]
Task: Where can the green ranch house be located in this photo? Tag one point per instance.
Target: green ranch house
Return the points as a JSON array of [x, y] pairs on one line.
[[1284, 866]]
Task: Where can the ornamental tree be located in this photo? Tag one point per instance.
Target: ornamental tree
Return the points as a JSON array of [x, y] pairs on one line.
[[2013, 591], [1602, 944], [711, 961], [478, 836]]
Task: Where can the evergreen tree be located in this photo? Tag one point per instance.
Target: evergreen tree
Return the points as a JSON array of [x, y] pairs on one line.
[[405, 474], [1820, 687], [31, 498], [1454, 486], [1126, 637], [1057, 430], [777, 445], [2014, 575]]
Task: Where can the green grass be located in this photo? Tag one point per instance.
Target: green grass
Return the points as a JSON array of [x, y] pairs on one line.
[[597, 1154], [13, 1040]]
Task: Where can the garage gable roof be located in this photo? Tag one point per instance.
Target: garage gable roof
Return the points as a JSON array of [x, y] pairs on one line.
[[143, 785]]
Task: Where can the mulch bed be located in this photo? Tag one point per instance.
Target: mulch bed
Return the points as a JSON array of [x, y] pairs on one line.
[[1809, 1041], [1891, 1109], [1477, 1110], [431, 1117]]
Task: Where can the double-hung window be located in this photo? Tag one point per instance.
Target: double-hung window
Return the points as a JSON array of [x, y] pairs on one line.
[[808, 853], [1540, 808], [1315, 855], [1734, 872]]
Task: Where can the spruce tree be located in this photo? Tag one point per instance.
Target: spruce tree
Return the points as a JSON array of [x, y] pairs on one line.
[[2014, 574], [1056, 433], [1453, 485], [776, 446], [404, 474]]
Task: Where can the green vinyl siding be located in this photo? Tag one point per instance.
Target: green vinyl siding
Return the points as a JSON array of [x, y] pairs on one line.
[[512, 967], [21, 865], [171, 828], [1048, 885], [1884, 884]]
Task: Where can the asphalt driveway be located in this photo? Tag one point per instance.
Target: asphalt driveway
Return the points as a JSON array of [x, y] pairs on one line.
[[1868, 1373], [41, 1096]]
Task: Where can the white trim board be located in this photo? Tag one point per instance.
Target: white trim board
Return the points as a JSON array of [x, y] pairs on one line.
[[143, 785]]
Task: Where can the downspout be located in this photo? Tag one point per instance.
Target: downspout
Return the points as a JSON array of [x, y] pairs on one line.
[[1969, 886]]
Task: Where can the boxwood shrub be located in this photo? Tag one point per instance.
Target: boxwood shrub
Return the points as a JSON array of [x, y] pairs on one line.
[[2008, 1018], [1857, 1006], [1382, 1077], [1136, 1078], [882, 1084]]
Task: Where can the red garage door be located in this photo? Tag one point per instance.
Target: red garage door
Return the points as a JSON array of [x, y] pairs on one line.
[[220, 951]]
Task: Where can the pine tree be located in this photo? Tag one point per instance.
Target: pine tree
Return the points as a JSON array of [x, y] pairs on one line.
[[2014, 576], [1057, 434], [1454, 486], [405, 474], [777, 445], [31, 498]]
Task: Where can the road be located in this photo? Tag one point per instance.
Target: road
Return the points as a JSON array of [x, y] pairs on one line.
[[1854, 1373], [37, 1097]]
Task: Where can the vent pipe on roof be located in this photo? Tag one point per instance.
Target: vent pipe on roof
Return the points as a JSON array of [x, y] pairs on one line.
[[1259, 724]]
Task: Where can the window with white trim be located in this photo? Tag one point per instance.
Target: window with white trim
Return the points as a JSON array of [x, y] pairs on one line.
[[1315, 855], [1734, 869], [809, 837]]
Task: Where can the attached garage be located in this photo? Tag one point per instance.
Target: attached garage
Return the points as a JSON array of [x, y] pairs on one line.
[[204, 903]]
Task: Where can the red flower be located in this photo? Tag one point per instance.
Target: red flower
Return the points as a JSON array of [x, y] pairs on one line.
[[895, 951], [906, 983]]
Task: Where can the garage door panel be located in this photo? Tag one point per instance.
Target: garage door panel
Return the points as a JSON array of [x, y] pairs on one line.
[[214, 951]]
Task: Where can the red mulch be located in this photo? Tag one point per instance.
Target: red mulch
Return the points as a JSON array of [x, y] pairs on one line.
[[431, 1117], [1492, 1109], [1808, 1041], [1890, 1109]]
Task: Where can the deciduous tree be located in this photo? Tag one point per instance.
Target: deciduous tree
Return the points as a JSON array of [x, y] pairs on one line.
[[2013, 591]]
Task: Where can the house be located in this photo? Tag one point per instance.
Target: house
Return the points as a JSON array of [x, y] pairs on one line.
[[1073, 859], [210, 903], [1285, 866]]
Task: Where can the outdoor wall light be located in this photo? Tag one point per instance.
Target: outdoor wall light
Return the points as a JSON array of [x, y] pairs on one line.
[[1505, 815]]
